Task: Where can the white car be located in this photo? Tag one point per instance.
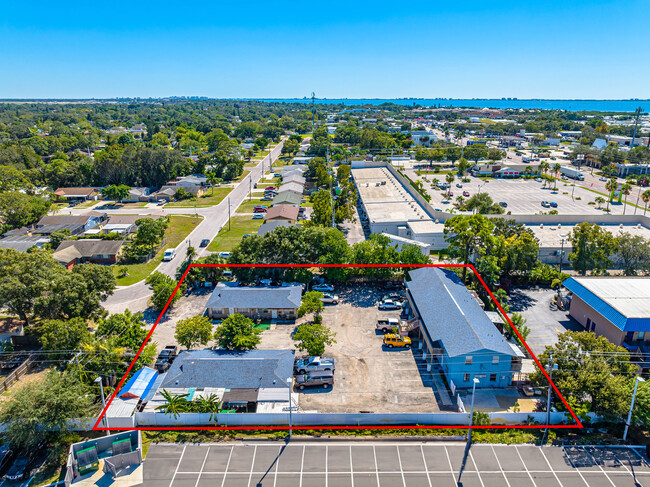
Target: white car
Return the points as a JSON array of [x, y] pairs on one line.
[[169, 255], [329, 299], [323, 288], [224, 255]]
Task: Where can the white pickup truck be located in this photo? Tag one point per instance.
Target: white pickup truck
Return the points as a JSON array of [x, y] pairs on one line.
[[387, 325], [313, 364]]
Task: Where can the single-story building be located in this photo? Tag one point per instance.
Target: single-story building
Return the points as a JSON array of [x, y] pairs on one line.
[[294, 177], [244, 381], [22, 243], [121, 228], [137, 195], [287, 198], [72, 194], [265, 303], [506, 172], [293, 187], [83, 251], [617, 308], [287, 213], [267, 227], [76, 224], [456, 332], [165, 193], [303, 160]]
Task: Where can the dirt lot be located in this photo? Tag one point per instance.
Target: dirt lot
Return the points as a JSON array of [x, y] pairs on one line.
[[367, 377]]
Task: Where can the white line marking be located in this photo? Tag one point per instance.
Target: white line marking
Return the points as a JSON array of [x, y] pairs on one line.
[[601, 468], [202, 467], [177, 465], [399, 458], [302, 464], [351, 468], [223, 482], [477, 470], [250, 477], [374, 454], [327, 451], [576, 468], [499, 464], [541, 449], [426, 468], [525, 466]]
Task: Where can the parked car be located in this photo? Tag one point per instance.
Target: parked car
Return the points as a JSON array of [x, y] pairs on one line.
[[389, 305], [224, 255], [329, 299], [259, 209], [258, 216], [539, 180], [546, 204], [393, 297], [277, 175], [459, 185], [387, 324], [466, 194], [602, 179], [313, 364], [6, 455], [323, 288], [166, 357], [169, 255], [324, 379], [205, 242], [553, 204], [270, 188], [19, 469], [451, 193], [247, 235], [392, 340], [267, 198]]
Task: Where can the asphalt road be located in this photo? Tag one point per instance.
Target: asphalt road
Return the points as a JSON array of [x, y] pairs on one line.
[[135, 297]]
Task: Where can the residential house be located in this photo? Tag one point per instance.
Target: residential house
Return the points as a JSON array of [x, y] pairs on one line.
[[76, 224], [197, 184], [287, 213], [264, 303], [287, 198], [22, 243], [78, 194], [456, 332], [293, 178], [244, 381], [137, 195], [302, 160], [95, 251], [293, 187], [267, 227], [121, 228]]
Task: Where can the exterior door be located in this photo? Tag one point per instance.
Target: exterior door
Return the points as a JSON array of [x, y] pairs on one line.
[[274, 314]]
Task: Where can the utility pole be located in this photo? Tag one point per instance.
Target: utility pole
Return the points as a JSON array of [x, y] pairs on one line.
[[638, 112], [562, 237], [471, 412], [313, 112], [550, 369], [250, 187], [629, 415], [228, 213]]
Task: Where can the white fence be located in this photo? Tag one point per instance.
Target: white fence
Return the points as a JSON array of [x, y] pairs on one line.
[[322, 419]]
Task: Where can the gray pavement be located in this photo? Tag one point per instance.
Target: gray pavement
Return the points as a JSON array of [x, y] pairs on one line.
[[399, 463], [135, 297]]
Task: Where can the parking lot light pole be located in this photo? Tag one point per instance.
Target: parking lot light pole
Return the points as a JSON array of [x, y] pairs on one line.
[[99, 381], [290, 382], [629, 415], [562, 237], [471, 412]]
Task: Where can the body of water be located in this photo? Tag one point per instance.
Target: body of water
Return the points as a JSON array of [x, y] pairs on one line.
[[569, 105]]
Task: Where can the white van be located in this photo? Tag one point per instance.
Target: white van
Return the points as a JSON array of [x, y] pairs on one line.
[[169, 255]]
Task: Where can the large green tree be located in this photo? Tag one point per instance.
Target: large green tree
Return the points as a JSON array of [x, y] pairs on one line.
[[193, 331], [311, 303], [237, 332], [19, 209], [313, 337], [469, 237], [592, 246]]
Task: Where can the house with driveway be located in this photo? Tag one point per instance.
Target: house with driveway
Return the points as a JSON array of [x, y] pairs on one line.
[[455, 334], [264, 303], [88, 250]]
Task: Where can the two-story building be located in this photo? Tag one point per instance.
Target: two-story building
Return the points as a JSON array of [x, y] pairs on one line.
[[456, 333]]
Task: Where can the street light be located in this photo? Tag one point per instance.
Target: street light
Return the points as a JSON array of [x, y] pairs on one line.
[[99, 381], [629, 415], [290, 382], [562, 237], [471, 411]]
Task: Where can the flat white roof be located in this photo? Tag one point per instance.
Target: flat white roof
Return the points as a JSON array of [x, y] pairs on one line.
[[550, 235], [426, 227], [629, 295]]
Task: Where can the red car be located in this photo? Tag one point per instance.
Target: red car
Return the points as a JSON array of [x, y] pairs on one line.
[[466, 193], [259, 209], [269, 188]]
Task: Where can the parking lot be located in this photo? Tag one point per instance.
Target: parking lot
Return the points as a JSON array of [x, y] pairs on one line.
[[523, 197], [368, 377], [418, 464]]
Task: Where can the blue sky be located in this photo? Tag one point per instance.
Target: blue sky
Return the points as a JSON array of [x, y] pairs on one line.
[[379, 49]]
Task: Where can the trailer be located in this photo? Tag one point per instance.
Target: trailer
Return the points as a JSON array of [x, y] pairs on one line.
[[573, 173]]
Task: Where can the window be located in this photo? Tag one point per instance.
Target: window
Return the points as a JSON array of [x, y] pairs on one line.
[[641, 335], [493, 377], [495, 359], [468, 360], [466, 378]]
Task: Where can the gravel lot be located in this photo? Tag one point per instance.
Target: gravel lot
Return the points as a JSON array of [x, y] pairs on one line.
[[367, 377]]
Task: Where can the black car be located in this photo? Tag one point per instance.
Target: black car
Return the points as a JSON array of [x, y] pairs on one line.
[[19, 469], [205, 242], [503, 204], [6, 455], [166, 357]]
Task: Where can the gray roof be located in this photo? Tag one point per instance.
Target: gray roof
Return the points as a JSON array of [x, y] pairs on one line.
[[68, 250], [450, 314], [287, 297], [252, 369], [288, 198], [22, 244], [269, 226]]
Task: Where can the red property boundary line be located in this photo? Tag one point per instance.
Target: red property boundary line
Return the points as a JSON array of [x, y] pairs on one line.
[[578, 424]]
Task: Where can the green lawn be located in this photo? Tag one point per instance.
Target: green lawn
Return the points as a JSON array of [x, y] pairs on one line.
[[208, 199], [86, 204], [179, 228], [243, 175], [247, 206], [239, 226]]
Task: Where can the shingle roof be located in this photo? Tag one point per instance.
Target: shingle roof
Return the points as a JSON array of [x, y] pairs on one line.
[[22, 244], [69, 250], [75, 191], [625, 301], [287, 297], [449, 313], [295, 187], [288, 197], [293, 177], [282, 211], [252, 369], [267, 227]]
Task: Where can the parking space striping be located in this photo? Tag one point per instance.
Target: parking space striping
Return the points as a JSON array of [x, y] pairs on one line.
[[426, 467], [180, 459], [401, 469], [599, 466], [202, 467], [471, 457], [250, 477], [578, 470], [549, 466], [302, 464], [525, 466], [223, 482], [351, 468], [374, 454], [500, 467]]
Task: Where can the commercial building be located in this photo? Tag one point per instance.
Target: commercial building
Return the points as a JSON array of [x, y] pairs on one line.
[[456, 333], [617, 308], [266, 303]]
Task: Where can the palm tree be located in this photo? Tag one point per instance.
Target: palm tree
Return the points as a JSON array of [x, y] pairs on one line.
[[450, 179], [176, 403], [626, 188], [543, 167], [210, 405], [213, 179], [599, 201], [645, 196], [191, 253], [557, 168], [611, 186]]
